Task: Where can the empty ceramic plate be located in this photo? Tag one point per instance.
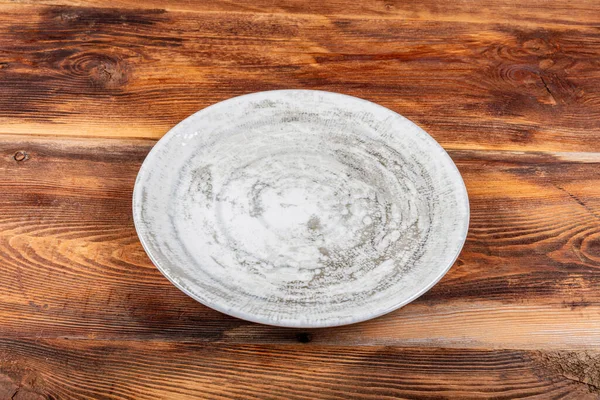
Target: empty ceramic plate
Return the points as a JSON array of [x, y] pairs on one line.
[[300, 208]]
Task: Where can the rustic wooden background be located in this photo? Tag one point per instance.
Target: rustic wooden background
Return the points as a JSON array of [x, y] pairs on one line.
[[510, 88]]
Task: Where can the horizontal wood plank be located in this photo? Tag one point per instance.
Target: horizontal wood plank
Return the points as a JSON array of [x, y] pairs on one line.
[[66, 369], [481, 11], [73, 267], [473, 83]]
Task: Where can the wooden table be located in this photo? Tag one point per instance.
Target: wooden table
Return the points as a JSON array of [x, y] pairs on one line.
[[512, 92]]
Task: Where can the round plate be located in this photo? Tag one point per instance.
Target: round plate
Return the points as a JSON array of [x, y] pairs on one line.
[[300, 208]]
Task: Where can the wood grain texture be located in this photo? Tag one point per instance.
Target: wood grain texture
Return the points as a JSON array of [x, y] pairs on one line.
[[558, 12], [66, 369], [73, 267], [474, 76], [513, 90]]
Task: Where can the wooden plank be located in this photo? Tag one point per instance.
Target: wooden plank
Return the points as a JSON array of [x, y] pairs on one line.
[[69, 369], [482, 84], [72, 265], [556, 12]]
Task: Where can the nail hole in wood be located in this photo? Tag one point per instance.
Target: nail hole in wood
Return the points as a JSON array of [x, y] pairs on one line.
[[303, 337], [21, 156]]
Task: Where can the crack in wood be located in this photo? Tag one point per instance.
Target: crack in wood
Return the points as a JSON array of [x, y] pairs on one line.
[[548, 89], [578, 201], [592, 387], [582, 368]]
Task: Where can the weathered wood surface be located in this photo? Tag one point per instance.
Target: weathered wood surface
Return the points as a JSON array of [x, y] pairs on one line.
[[486, 75], [72, 266], [512, 90], [538, 12], [66, 369]]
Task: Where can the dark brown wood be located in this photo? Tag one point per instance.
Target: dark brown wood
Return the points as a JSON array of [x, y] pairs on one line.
[[504, 78], [558, 12], [72, 265], [66, 369], [513, 91]]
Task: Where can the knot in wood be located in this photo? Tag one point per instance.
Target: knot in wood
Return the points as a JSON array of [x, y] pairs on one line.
[[304, 337], [21, 156], [106, 71]]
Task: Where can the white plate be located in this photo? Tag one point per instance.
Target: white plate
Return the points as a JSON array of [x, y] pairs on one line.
[[300, 208]]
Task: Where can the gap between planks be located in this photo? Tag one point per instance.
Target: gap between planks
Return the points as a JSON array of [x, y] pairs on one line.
[[528, 156]]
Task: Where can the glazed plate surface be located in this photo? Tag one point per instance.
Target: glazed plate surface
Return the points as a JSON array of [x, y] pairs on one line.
[[300, 208]]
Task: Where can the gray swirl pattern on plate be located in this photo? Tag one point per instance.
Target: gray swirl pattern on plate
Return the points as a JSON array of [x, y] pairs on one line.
[[300, 208]]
